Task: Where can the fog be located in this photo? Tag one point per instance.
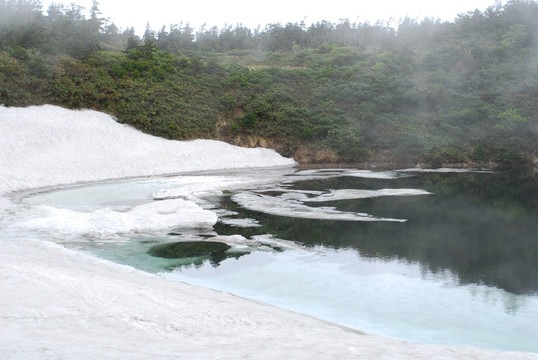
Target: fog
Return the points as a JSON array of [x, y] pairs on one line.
[[217, 13]]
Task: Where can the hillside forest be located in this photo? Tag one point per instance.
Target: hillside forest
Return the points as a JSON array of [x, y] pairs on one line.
[[430, 92]]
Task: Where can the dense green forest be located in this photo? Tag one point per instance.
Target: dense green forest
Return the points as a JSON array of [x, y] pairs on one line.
[[427, 91]]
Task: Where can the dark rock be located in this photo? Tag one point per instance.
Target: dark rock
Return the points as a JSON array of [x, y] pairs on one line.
[[186, 249]]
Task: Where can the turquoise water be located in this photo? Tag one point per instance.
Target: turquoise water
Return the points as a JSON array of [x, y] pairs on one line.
[[459, 266]]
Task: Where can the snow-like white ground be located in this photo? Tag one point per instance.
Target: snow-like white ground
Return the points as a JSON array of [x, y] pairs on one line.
[[47, 145], [57, 303]]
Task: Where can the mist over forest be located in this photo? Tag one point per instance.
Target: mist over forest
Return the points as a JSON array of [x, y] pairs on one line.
[[428, 91]]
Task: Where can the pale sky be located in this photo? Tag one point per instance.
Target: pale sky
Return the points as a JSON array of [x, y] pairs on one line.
[[127, 13]]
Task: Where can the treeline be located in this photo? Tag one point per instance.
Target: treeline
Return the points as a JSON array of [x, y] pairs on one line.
[[426, 91], [67, 30], [274, 37]]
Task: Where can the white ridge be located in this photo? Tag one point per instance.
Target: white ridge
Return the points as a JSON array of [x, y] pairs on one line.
[[48, 145]]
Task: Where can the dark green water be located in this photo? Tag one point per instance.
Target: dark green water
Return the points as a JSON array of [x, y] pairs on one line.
[[482, 226]]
